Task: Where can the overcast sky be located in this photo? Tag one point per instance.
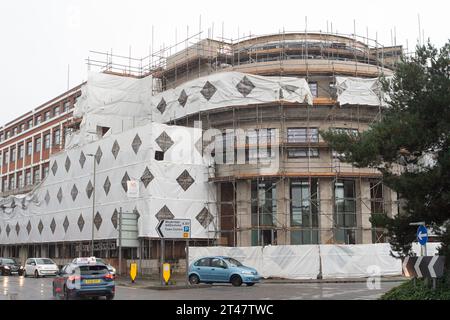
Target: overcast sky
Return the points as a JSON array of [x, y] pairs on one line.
[[39, 39]]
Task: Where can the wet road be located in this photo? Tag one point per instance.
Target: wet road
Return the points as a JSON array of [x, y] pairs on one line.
[[20, 288]]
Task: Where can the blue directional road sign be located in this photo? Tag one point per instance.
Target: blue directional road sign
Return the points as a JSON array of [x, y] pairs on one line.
[[422, 235]]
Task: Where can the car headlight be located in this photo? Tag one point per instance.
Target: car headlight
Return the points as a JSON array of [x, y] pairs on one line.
[[247, 272], [21, 267], [113, 270], [6, 267]]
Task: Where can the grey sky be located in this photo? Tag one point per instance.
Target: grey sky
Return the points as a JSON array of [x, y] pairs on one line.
[[39, 39]]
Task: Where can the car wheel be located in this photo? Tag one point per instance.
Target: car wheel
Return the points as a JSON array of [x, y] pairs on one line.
[[110, 297], [236, 281], [194, 279], [36, 274], [250, 284]]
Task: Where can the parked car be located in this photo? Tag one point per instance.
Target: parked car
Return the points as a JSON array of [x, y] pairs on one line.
[[9, 266], [84, 280], [38, 267], [111, 269], [222, 269]]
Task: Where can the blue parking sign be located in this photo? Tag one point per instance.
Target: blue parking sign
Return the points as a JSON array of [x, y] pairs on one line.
[[186, 229]]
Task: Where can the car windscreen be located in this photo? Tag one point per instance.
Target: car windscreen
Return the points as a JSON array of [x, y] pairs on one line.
[[233, 262], [99, 260], [92, 270], [44, 261], [8, 261]]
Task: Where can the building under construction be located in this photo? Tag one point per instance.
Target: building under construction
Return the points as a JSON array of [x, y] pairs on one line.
[[276, 180]]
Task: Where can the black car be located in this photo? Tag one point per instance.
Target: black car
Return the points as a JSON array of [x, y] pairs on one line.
[[9, 266]]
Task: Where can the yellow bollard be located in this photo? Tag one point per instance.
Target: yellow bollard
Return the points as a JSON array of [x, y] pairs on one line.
[[133, 271], [166, 272]]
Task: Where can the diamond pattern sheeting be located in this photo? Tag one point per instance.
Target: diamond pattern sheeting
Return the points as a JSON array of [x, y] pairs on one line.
[[82, 159], [8, 230], [136, 144], [66, 224], [164, 141], [164, 214], [80, 222], [29, 227], [59, 195], [17, 228], [98, 220], [125, 178], [98, 155], [245, 86], [115, 149], [162, 106], [74, 192], [183, 98], [107, 185], [205, 218], [185, 180], [115, 218], [40, 226], [147, 177], [89, 189], [55, 167], [47, 197], [53, 226], [208, 90], [67, 164]]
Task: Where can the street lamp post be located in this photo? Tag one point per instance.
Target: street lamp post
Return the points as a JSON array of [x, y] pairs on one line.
[[93, 203]]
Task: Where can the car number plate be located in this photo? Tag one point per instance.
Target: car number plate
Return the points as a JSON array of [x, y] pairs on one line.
[[93, 281]]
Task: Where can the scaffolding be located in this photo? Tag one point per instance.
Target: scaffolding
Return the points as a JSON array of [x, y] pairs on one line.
[[318, 57]]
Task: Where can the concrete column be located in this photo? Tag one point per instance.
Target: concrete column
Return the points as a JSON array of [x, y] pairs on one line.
[[283, 212], [243, 211], [390, 202], [363, 217], [326, 204]]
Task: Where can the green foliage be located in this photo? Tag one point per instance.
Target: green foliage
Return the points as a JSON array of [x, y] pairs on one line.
[[421, 291], [415, 127]]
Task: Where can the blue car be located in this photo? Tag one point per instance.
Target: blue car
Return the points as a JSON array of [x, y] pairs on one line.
[[222, 269], [84, 280]]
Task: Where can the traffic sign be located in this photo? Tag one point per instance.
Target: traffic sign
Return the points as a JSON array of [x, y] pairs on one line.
[[174, 229], [423, 267], [422, 235]]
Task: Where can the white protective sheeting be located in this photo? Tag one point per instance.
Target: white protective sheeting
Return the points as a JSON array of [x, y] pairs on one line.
[[117, 102], [432, 248], [359, 91], [291, 262], [60, 209], [226, 89], [363, 260], [249, 256]]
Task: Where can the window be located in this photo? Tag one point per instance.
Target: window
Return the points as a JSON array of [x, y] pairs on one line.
[[218, 263], [205, 262], [13, 154], [345, 211], [29, 148], [302, 135], [66, 106], [27, 178], [314, 88], [1, 137], [30, 123], [5, 184], [45, 172], [57, 137], [47, 141], [12, 183], [303, 153], [5, 157], [37, 145], [56, 110], [20, 178], [47, 115], [8, 134], [37, 175], [38, 119], [23, 127], [15, 131], [21, 151], [264, 210], [259, 144]]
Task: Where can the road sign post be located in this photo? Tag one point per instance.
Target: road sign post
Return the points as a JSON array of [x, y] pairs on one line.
[[174, 229]]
